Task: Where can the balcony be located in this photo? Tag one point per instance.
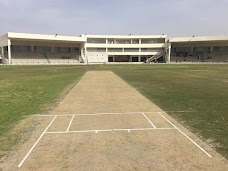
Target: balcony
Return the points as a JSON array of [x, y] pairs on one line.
[[131, 50], [157, 45]]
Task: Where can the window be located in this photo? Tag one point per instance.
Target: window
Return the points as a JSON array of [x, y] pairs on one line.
[[135, 59], [135, 41], [131, 50], [151, 41], [111, 41], [16, 48], [65, 49], [110, 59], [115, 50], [5, 48], [96, 40], [225, 48], [143, 58], [152, 49], [220, 48], [42, 49], [57, 49], [96, 49], [201, 49], [123, 41], [182, 49], [75, 50], [217, 49]]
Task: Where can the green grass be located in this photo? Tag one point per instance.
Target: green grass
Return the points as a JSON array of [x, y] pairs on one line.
[[27, 90], [202, 89]]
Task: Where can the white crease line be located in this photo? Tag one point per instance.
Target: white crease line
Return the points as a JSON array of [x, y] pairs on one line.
[[149, 120], [70, 123], [108, 130], [97, 114], [172, 111], [50, 115], [92, 114], [21, 163], [87, 114], [186, 135]]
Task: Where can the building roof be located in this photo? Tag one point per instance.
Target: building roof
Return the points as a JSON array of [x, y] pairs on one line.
[[54, 37], [124, 36], [198, 39]]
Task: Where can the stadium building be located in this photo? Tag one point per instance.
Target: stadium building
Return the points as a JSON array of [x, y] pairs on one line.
[[199, 49], [22, 48]]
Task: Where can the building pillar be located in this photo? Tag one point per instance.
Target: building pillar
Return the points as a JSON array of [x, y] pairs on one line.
[[212, 49], [9, 51], [32, 48], [139, 59], [169, 54], [140, 41], [83, 53], [2, 51], [52, 48], [130, 58]]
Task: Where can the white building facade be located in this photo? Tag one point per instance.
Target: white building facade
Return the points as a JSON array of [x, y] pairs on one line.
[[129, 48], [24, 48]]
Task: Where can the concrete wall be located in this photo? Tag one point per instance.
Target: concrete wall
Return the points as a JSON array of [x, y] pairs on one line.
[[4, 40], [97, 57]]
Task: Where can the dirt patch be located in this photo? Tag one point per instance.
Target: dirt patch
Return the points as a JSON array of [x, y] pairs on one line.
[[102, 92]]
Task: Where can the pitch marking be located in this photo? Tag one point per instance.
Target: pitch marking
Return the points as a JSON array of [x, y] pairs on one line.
[[149, 120], [186, 135], [70, 123], [21, 163], [108, 130]]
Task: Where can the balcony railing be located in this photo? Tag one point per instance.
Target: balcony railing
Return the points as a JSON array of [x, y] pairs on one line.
[[131, 50]]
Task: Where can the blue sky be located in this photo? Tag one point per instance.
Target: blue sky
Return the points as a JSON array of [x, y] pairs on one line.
[[74, 17]]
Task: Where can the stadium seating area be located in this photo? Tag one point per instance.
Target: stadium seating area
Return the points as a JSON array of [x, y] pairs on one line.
[[45, 58], [200, 57]]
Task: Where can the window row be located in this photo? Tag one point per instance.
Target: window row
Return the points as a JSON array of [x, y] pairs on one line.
[[220, 49], [189, 49], [125, 41], [199, 49], [17, 48], [125, 49]]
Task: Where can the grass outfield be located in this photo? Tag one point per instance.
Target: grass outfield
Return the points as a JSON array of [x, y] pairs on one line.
[[27, 90], [200, 89]]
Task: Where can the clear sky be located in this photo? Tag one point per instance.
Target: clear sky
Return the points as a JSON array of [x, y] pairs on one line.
[[74, 17]]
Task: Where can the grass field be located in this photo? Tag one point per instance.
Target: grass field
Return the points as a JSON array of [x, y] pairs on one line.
[[199, 89], [28, 90]]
